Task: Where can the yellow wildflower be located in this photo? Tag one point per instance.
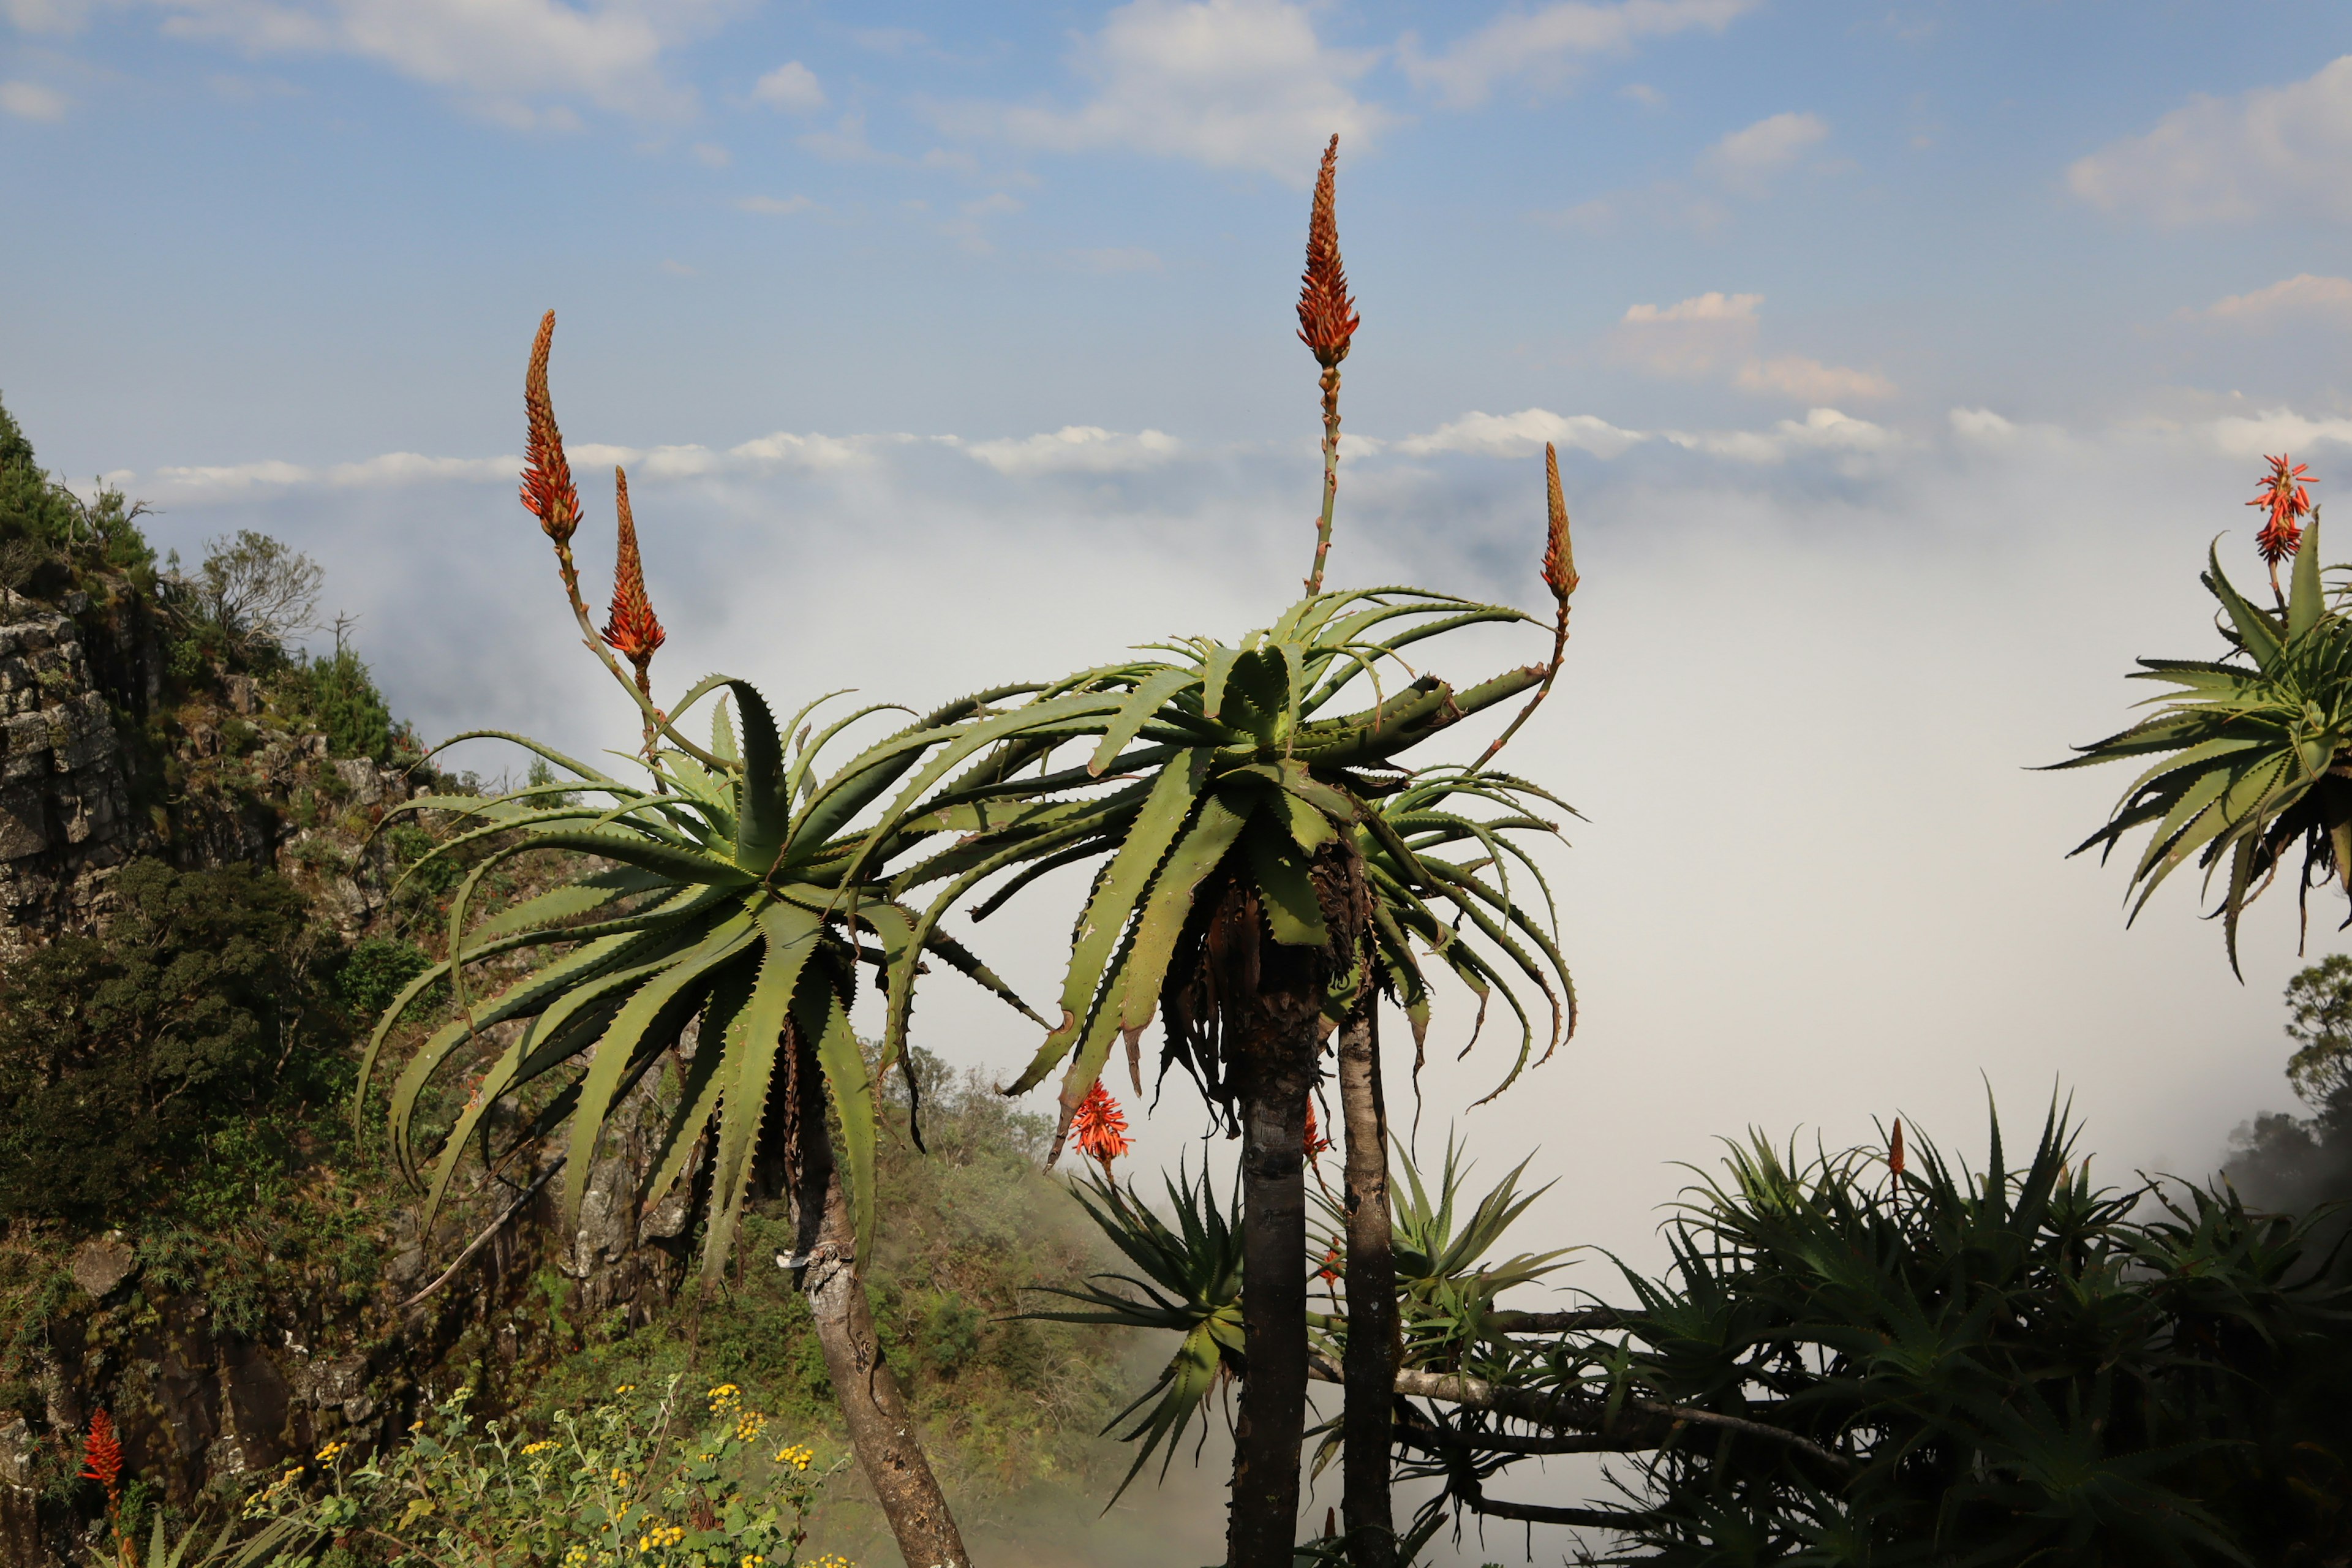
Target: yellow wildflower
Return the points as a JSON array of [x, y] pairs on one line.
[[328, 1454]]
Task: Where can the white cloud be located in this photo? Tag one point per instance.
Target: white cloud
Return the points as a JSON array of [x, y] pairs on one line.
[[791, 87], [1542, 47], [1076, 448], [412, 467], [1690, 337], [2273, 150], [710, 155], [504, 57], [31, 100], [1820, 430], [2305, 296], [1230, 83], [46, 15], [2274, 430], [1747, 160], [1522, 435], [1809, 380], [774, 206], [1982, 428]]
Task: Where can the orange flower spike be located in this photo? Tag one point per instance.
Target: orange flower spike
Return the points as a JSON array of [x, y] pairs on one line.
[[1326, 316], [631, 629], [1894, 1152], [1332, 1260], [1559, 559], [1100, 1127], [547, 488], [101, 1455], [2286, 500], [1315, 1142]]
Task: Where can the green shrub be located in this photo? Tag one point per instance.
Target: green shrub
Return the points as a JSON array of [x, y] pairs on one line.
[[338, 697], [667, 1481], [377, 967], [118, 1055]]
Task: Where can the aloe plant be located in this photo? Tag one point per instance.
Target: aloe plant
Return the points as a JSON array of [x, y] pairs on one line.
[[736, 890], [2248, 756], [1252, 890]]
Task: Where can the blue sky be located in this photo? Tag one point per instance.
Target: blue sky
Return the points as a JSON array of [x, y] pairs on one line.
[[1903, 358]]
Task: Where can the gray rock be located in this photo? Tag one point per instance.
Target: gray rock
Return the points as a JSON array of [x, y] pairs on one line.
[[101, 1267]]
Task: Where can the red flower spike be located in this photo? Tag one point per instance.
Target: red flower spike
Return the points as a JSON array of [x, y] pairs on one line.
[[1100, 1127], [101, 1455], [1331, 1262], [1326, 316], [1894, 1152], [1315, 1142], [2283, 497], [631, 629], [1560, 560], [547, 489]]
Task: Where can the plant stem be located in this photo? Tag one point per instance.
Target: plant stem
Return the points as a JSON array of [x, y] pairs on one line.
[[1262, 1526], [1331, 476], [655, 718], [1372, 1346], [881, 1432]]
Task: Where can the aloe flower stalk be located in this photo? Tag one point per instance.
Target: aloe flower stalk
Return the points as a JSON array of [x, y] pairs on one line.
[[631, 628], [2287, 503], [1559, 576], [1326, 325]]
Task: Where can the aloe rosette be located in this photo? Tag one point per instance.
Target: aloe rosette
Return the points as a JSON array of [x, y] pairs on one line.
[[2247, 755], [1229, 756], [729, 893]]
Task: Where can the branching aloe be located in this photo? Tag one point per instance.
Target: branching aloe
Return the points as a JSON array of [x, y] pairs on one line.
[[737, 889], [2249, 755], [1252, 888]]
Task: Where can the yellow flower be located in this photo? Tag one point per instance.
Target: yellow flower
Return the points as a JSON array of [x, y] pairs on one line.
[[620, 1478], [326, 1455], [541, 1446], [624, 1388]]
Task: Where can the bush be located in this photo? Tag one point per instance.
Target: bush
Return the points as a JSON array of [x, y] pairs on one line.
[[47, 531], [654, 1481], [373, 973], [338, 697], [118, 1055]]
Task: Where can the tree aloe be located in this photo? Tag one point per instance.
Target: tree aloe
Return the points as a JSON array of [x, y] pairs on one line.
[[2251, 754], [1251, 890], [734, 891]]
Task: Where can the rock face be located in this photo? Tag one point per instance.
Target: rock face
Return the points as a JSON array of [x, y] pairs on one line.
[[64, 803]]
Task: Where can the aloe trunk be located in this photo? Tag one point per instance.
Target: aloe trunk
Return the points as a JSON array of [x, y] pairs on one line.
[[1263, 1526], [881, 1432], [1371, 1351]]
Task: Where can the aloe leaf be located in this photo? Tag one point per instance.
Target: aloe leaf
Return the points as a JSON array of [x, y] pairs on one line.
[[2305, 603], [669, 997], [1156, 824], [820, 1011], [1140, 705], [791, 936], [702, 1084], [1286, 891], [2255, 630], [1188, 864], [1216, 672]]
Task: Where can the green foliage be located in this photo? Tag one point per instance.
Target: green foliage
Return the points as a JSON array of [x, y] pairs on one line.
[[252, 594], [2021, 1366], [735, 889], [1225, 765], [376, 971], [336, 697], [666, 1481], [1447, 1290], [2241, 758], [49, 535], [2319, 1021], [119, 1057], [1189, 1284], [1005, 1404]]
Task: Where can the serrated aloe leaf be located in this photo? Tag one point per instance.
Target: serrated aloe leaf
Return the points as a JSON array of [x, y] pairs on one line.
[[1163, 817], [1140, 705], [2305, 603], [791, 936], [1213, 834], [1217, 673], [820, 1011], [702, 1083], [2255, 628], [1287, 892], [658, 1001], [762, 813]]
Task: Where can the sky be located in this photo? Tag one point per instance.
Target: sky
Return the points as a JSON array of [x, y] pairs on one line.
[[1904, 359]]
